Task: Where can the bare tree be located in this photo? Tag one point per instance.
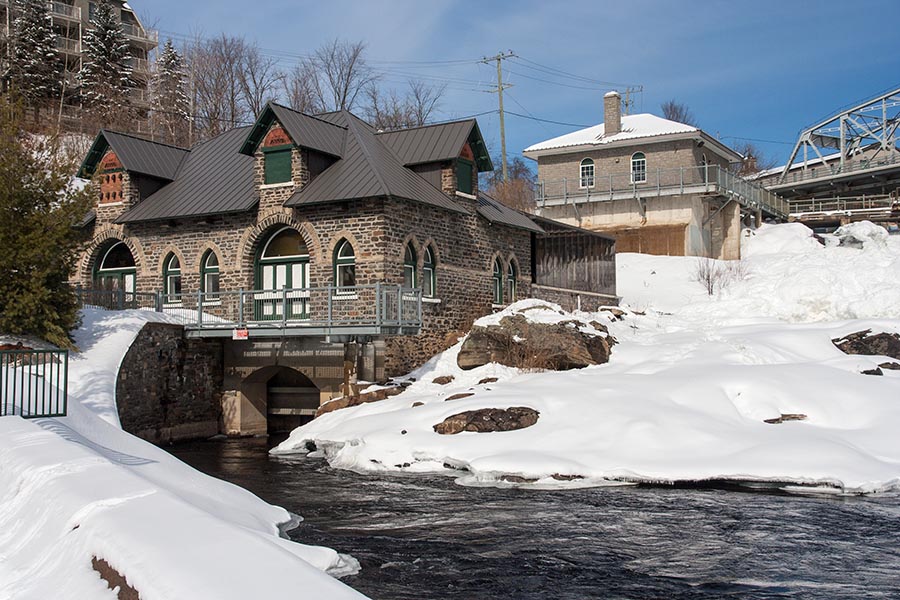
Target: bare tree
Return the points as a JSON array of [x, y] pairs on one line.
[[259, 79], [424, 100], [754, 159], [679, 112], [386, 109], [342, 74], [217, 84], [516, 193], [299, 88]]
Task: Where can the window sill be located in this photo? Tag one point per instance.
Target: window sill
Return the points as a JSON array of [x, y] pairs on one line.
[[465, 195], [212, 303], [431, 300], [272, 186], [498, 306], [102, 204], [340, 296]]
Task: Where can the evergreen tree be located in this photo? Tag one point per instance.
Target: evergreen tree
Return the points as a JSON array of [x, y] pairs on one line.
[[38, 211], [106, 75], [170, 100], [36, 69]]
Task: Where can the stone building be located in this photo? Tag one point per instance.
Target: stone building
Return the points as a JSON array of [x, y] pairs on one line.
[[320, 245], [658, 186]]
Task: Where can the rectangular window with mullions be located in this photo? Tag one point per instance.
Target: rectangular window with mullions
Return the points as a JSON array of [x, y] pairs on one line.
[[277, 165], [638, 168]]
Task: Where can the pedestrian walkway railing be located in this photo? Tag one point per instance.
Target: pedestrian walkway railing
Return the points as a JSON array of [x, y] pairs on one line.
[[34, 383], [657, 183], [371, 309]]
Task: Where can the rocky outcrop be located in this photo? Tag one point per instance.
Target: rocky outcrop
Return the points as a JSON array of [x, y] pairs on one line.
[[518, 342], [458, 396], [487, 420], [443, 379], [364, 398], [868, 344], [784, 418]]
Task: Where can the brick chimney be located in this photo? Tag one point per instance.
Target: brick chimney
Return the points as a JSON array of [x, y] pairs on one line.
[[612, 113]]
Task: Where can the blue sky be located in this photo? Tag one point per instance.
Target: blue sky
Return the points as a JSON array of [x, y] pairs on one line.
[[760, 70]]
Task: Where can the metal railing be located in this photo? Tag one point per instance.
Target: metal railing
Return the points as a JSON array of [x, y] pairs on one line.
[[61, 9], [68, 45], [141, 65], [885, 203], [834, 169], [378, 308], [34, 383], [137, 32], [661, 182], [118, 299]]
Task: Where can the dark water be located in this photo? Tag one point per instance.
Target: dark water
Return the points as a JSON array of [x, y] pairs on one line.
[[425, 537]]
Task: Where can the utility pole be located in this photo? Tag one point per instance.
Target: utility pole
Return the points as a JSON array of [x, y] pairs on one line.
[[630, 92], [499, 58]]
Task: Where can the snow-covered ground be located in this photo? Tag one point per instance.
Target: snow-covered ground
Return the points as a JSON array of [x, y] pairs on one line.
[[79, 487], [687, 389]]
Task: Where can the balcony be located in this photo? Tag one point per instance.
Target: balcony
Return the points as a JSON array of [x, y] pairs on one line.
[[68, 45], [136, 33], [363, 310], [139, 96], [140, 66], [61, 10], [709, 180]]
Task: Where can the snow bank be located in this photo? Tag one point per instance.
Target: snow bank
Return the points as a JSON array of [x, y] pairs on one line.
[[79, 487], [686, 392]]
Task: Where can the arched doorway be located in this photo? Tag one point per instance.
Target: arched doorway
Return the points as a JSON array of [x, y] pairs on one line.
[[277, 399], [114, 269], [282, 264]]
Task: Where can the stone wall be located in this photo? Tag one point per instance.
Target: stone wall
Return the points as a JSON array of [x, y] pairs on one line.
[[169, 387], [465, 248], [571, 300]]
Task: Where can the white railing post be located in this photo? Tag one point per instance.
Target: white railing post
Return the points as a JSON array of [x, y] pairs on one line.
[[378, 304], [240, 315], [199, 308]]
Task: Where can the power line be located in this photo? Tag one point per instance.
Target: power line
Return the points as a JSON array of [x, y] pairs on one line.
[[559, 72], [532, 118], [734, 137]]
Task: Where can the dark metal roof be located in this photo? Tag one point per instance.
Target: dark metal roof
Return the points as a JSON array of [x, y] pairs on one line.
[[551, 226], [495, 212], [137, 155], [306, 131], [369, 169], [433, 143], [89, 218], [215, 179]]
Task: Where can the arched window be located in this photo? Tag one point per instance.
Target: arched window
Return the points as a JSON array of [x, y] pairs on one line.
[[704, 168], [344, 265], [586, 179], [172, 279], [209, 275], [498, 282], [409, 267], [115, 269], [638, 167], [512, 279], [429, 281], [283, 263]]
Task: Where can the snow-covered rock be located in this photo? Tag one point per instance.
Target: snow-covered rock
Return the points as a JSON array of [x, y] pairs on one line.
[[687, 391]]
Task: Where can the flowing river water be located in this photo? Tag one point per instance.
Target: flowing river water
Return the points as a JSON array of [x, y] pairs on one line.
[[424, 537]]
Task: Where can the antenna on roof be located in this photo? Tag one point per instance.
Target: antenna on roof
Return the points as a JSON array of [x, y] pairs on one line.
[[629, 100]]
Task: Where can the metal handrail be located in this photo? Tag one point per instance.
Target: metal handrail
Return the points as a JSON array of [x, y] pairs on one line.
[[839, 205], [381, 306], [34, 383], [65, 10], [659, 182], [820, 170], [136, 31]]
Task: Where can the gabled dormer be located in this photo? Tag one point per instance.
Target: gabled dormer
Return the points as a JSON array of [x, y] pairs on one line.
[[448, 155], [126, 169], [291, 149]]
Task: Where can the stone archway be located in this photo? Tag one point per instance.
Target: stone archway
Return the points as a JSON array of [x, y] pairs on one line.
[[276, 399]]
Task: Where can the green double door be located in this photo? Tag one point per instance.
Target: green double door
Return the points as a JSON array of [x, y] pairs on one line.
[[283, 290]]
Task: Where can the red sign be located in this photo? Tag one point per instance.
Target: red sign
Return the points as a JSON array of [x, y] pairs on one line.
[[240, 334], [110, 161], [277, 136]]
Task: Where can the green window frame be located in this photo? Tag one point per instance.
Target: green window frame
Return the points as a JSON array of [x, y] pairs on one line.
[[282, 278], [277, 164], [209, 276], [410, 263], [498, 281], [344, 267], [429, 267], [115, 270], [465, 170], [172, 279], [512, 281]]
